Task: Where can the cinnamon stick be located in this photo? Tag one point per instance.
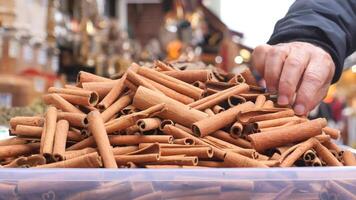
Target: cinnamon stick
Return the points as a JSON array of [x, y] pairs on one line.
[[213, 123], [119, 104], [176, 111], [97, 128], [74, 119], [190, 76], [349, 158], [60, 103], [91, 160], [218, 97], [173, 83], [50, 121], [28, 121], [113, 94], [289, 134], [60, 139]]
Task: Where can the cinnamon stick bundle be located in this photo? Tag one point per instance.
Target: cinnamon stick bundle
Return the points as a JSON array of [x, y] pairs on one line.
[[169, 117]]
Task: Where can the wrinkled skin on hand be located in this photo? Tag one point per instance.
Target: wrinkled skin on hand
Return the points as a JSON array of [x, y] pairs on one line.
[[300, 72]]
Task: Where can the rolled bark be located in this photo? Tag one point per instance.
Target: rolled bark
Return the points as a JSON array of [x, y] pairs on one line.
[[12, 141], [298, 152], [275, 122], [237, 79], [27, 131], [60, 103], [332, 146], [18, 150], [190, 76], [28, 121], [119, 104], [60, 139], [309, 156], [163, 66], [87, 142], [237, 160], [222, 135], [170, 93], [260, 101], [25, 162], [148, 124], [263, 114], [76, 153], [50, 121], [97, 128], [235, 100], [113, 94], [126, 121], [177, 160], [326, 155], [137, 159], [268, 104], [173, 83], [290, 134], [349, 158], [137, 139], [200, 85], [184, 141], [176, 111], [236, 130], [209, 112], [102, 88], [83, 77], [213, 123], [249, 78], [74, 119], [91, 160], [316, 162], [124, 150], [77, 96], [334, 133], [200, 152], [179, 133], [218, 97], [218, 109], [139, 81]]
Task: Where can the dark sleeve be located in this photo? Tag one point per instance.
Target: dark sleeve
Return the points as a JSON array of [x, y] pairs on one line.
[[330, 24]]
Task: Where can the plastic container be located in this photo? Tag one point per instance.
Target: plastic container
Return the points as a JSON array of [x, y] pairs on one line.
[[273, 183]]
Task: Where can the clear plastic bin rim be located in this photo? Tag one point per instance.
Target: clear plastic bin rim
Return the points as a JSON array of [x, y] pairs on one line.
[[215, 174]]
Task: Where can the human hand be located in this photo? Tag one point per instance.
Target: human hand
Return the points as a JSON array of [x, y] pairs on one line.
[[301, 73]]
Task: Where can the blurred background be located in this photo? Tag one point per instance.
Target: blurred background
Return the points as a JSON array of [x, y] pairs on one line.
[[45, 43]]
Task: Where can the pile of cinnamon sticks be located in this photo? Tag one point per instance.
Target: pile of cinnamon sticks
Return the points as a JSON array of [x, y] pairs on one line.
[[164, 117]]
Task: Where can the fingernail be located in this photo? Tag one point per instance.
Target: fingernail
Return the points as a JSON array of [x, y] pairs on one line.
[[299, 109], [283, 100]]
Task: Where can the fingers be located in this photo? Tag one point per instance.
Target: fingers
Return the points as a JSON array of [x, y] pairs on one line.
[[315, 83], [292, 72], [273, 65], [259, 56]]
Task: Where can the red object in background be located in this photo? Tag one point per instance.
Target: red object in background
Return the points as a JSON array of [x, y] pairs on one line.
[[42, 80], [336, 107]]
